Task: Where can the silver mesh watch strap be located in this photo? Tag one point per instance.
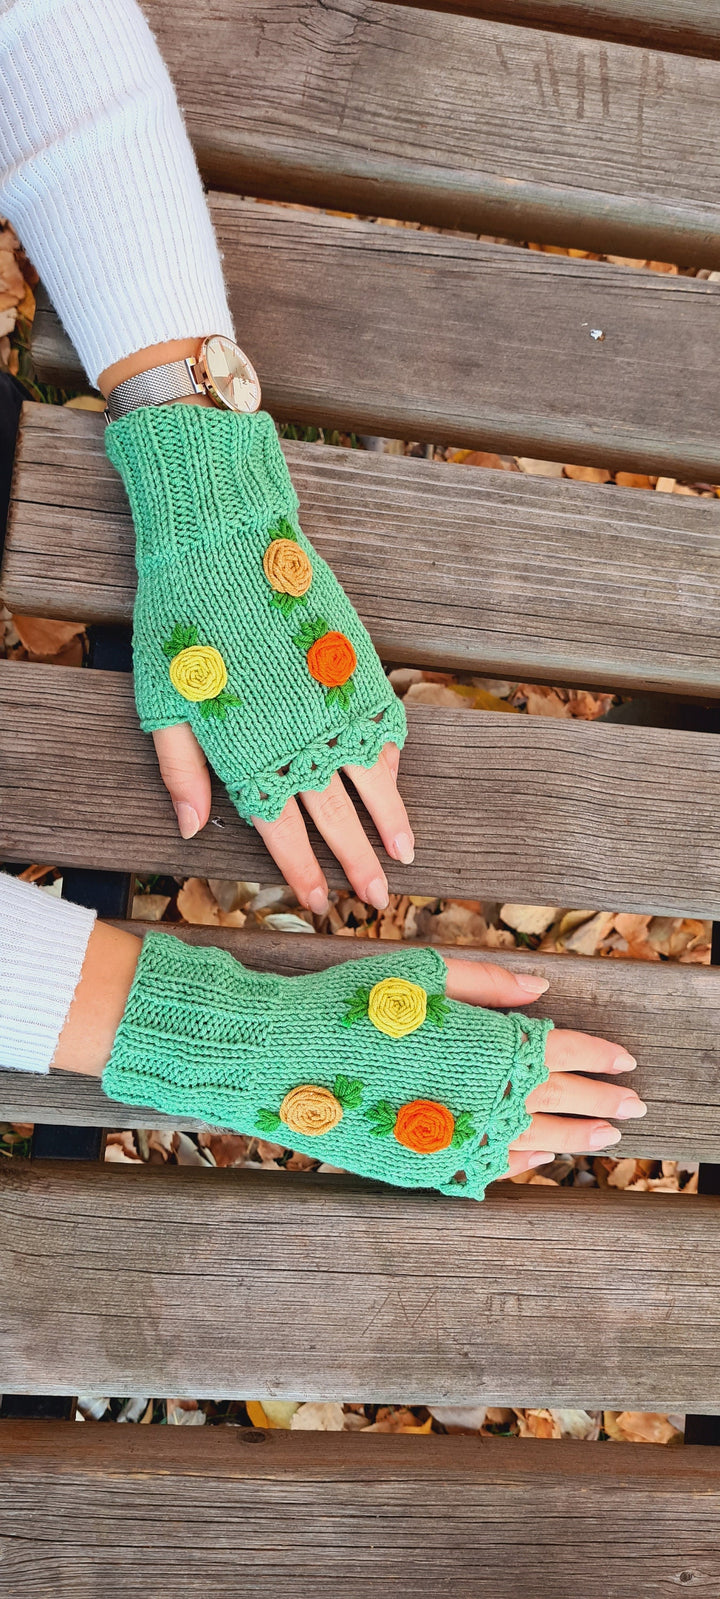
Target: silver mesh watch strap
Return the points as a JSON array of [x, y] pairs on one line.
[[155, 387]]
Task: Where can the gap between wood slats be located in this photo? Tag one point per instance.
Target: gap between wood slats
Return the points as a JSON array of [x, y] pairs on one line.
[[390, 331], [512, 807], [572, 583], [421, 1517], [455, 121], [245, 1284], [668, 1016], [690, 27]]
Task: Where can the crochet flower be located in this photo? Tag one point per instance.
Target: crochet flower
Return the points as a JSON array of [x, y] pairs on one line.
[[287, 568], [396, 1007], [198, 672], [312, 1110], [331, 660], [423, 1125]]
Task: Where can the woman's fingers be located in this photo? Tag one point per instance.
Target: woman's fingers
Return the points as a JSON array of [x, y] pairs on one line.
[[567, 1095], [377, 787], [574, 1135], [482, 983], [288, 843], [336, 818], [520, 1160], [184, 772], [566, 1051]]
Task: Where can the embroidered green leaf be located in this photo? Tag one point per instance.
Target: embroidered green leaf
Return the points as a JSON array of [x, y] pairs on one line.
[[437, 1009], [357, 1006], [383, 1116], [268, 1121], [284, 530], [285, 603], [181, 638], [349, 1091], [464, 1129], [219, 706], [309, 633], [340, 694]]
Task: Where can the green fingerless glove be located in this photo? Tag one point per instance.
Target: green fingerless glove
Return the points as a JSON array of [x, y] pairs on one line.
[[366, 1065], [240, 628]]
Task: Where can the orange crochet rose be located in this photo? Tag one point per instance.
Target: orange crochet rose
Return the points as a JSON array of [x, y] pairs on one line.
[[331, 660], [425, 1126], [287, 568]]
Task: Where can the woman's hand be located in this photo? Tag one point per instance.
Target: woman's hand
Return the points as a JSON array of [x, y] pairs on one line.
[[569, 1112], [185, 774]]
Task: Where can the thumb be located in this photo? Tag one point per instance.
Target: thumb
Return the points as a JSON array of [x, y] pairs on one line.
[[184, 772]]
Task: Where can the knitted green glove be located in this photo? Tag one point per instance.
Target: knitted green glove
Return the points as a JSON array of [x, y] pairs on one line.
[[367, 1065], [240, 628]]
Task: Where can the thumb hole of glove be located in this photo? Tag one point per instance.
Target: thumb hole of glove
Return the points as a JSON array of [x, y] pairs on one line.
[[184, 771]]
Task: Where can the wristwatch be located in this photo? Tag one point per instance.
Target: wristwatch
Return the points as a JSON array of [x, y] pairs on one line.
[[221, 370]]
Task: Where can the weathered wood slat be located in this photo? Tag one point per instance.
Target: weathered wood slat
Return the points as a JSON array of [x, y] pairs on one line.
[[691, 27], [668, 1016], [141, 1280], [453, 121], [419, 1517], [587, 584], [519, 807], [392, 331]]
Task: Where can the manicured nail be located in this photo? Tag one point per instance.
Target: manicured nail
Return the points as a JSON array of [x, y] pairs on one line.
[[623, 1062], [318, 902], [540, 1158], [403, 848], [533, 985], [377, 893], [188, 819], [601, 1136], [630, 1106]]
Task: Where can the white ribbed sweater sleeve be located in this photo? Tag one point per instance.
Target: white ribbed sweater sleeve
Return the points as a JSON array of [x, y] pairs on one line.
[[99, 179], [42, 948]]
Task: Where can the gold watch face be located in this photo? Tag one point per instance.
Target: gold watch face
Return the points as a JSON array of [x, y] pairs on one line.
[[229, 376]]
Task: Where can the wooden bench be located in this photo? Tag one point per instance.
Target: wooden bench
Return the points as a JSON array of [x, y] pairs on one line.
[[244, 1284]]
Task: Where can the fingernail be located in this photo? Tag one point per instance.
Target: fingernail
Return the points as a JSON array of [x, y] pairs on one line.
[[631, 1106], [377, 893], [540, 1158], [623, 1062], [318, 902], [403, 848], [601, 1136], [533, 985], [188, 819]]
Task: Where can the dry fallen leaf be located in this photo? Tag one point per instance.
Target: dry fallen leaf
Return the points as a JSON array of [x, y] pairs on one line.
[[528, 919], [588, 474], [199, 906], [317, 1416], [585, 939], [639, 1427], [43, 636], [149, 907]]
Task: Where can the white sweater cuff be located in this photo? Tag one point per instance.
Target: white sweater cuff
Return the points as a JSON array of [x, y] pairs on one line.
[[42, 948], [99, 179]]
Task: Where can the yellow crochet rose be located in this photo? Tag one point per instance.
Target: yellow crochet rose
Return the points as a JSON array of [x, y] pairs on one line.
[[397, 1007], [198, 673], [310, 1110], [287, 568]]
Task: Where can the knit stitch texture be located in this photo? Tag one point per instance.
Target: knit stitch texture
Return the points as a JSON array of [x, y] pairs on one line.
[[271, 1056], [279, 680]]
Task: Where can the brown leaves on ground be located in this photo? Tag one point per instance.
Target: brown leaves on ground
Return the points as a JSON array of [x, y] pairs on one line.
[[42, 639], [17, 301]]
